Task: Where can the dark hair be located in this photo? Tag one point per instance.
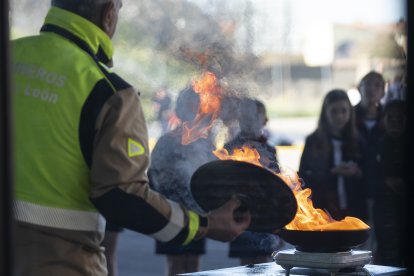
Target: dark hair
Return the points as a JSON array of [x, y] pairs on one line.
[[187, 104], [229, 108], [370, 75], [260, 106], [249, 111], [350, 132], [85, 8]]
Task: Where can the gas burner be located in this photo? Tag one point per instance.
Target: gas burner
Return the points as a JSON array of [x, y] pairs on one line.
[[333, 262]]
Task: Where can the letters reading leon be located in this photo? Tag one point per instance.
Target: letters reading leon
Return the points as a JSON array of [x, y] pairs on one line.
[[40, 73]]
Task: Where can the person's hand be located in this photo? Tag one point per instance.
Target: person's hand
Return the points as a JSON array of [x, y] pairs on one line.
[[224, 224], [347, 169]]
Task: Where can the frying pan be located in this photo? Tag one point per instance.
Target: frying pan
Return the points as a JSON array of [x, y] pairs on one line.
[[325, 241], [270, 201]]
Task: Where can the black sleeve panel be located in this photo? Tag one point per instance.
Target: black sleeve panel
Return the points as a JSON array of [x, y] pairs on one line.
[[134, 213], [100, 93], [118, 82]]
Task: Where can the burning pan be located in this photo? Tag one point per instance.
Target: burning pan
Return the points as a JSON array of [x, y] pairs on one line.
[[325, 241], [270, 201]]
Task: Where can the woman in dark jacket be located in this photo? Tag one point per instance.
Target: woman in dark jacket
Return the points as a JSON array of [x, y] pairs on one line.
[[331, 160]]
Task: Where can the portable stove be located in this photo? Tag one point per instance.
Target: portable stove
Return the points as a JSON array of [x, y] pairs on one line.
[[333, 262]]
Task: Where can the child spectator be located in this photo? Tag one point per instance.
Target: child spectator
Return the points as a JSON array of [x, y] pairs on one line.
[[371, 129], [331, 161], [252, 247], [172, 165]]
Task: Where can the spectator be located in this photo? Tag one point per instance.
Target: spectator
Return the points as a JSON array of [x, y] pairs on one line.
[[252, 247], [227, 127], [331, 161], [162, 106], [396, 89], [172, 165], [390, 211], [110, 243], [369, 124]]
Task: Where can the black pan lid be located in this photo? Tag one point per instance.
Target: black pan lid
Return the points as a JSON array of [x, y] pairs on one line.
[[270, 201]]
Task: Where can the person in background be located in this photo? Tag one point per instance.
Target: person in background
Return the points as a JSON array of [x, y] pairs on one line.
[[253, 247], [396, 89], [252, 117], [390, 211], [227, 126], [370, 127], [161, 101], [110, 243], [82, 151], [172, 165], [330, 164]]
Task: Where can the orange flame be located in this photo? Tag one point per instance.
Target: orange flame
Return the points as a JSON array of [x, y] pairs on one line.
[[307, 217], [209, 91], [173, 122], [245, 154]]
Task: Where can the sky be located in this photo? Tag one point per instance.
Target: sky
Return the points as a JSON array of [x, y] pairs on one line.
[[339, 11], [350, 11]]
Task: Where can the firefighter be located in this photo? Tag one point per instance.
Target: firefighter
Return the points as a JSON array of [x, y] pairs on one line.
[[81, 150]]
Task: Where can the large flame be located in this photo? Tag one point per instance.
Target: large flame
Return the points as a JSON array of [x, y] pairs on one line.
[[245, 154], [307, 217], [209, 91]]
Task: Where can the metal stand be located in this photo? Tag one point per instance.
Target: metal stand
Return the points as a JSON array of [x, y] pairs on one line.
[[361, 271], [334, 263]]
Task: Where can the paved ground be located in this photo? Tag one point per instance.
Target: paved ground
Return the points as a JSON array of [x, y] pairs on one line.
[[136, 256]]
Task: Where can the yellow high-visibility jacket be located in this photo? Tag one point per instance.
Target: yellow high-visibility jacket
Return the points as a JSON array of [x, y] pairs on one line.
[[81, 145]]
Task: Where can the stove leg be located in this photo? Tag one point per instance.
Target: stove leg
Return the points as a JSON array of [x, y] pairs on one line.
[[287, 270]]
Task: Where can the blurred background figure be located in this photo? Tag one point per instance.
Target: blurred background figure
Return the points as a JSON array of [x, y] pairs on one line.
[[252, 117], [161, 104], [110, 243], [253, 247], [172, 165], [331, 161], [371, 129], [390, 209], [227, 126], [396, 89]]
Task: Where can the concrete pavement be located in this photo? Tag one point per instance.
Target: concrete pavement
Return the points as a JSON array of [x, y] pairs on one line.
[[136, 256]]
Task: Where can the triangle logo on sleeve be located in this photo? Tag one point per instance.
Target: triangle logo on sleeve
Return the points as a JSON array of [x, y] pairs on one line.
[[135, 148]]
